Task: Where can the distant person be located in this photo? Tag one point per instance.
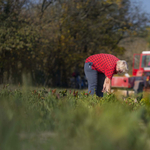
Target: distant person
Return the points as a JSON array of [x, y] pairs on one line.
[[99, 70], [77, 79]]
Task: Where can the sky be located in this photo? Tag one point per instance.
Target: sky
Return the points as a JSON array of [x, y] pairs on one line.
[[145, 4]]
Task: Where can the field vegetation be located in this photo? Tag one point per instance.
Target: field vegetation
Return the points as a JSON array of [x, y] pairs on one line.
[[54, 119]]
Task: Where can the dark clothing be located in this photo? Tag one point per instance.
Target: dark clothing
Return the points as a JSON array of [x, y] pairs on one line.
[[95, 79]]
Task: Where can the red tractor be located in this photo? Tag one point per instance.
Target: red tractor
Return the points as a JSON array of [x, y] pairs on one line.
[[140, 78]]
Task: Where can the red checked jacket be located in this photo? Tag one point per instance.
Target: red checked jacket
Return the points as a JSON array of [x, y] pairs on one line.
[[105, 63]]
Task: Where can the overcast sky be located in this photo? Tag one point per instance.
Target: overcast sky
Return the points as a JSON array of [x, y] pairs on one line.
[[145, 4]]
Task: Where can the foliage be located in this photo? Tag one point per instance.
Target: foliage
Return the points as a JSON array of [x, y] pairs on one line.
[[68, 119], [48, 39]]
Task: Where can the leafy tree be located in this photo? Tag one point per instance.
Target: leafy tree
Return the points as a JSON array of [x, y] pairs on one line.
[[51, 37], [88, 27], [18, 39]]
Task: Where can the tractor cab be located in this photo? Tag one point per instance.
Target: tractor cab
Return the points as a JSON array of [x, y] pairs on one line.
[[141, 64], [140, 79]]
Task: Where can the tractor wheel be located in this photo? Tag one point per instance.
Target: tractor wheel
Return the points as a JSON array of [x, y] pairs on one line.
[[138, 86]]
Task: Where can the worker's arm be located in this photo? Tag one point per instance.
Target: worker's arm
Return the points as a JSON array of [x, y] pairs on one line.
[[107, 85]]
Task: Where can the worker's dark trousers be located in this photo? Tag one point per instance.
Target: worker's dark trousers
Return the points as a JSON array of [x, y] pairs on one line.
[[95, 79]]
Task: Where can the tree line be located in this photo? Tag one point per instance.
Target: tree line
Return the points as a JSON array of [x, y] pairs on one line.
[[49, 39]]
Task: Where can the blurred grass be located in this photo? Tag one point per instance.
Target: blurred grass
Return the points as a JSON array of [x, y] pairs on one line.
[[49, 119]]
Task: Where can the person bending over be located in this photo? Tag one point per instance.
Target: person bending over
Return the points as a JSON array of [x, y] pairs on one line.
[[99, 70]]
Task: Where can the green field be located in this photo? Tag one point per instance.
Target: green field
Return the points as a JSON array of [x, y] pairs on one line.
[[56, 119]]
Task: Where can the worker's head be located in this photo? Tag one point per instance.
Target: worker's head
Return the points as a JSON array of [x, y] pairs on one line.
[[121, 66]]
